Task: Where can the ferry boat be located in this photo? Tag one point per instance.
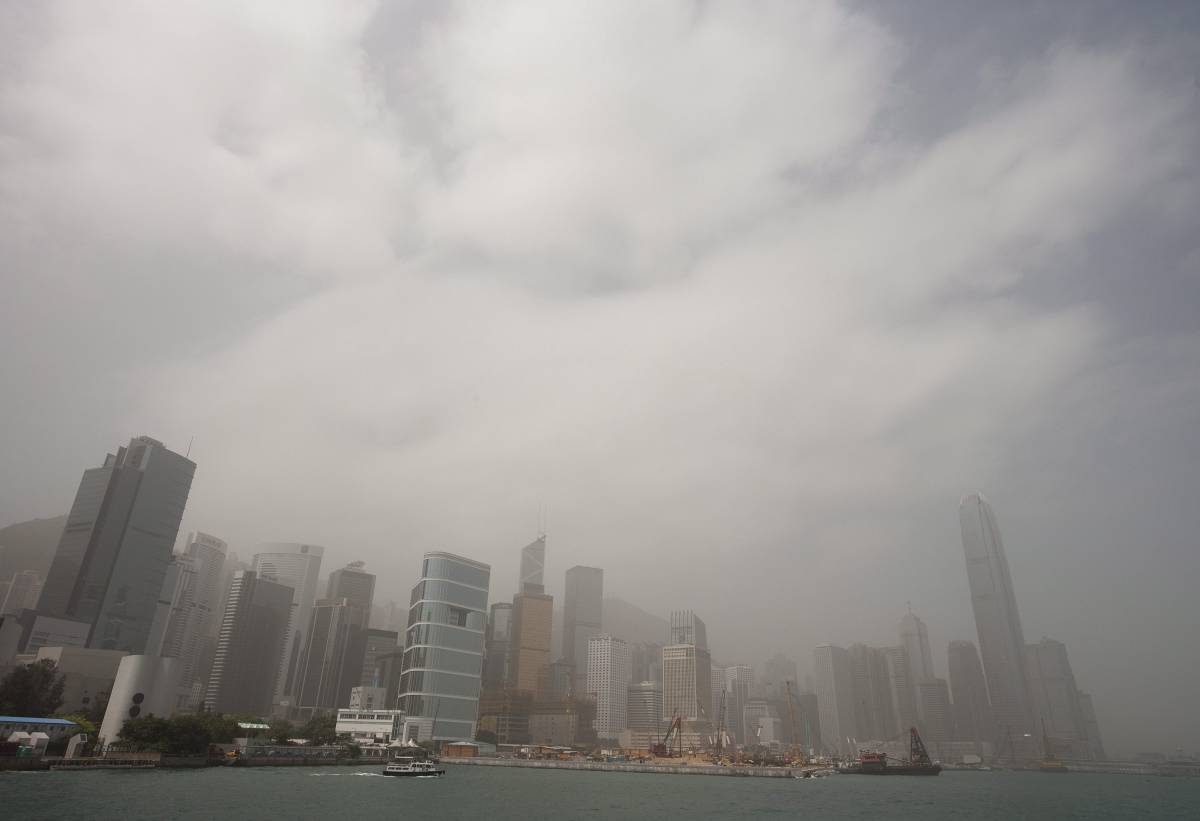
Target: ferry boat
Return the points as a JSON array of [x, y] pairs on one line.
[[410, 768], [875, 763]]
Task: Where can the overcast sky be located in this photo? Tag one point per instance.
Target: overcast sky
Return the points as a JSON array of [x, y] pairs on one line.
[[743, 297]]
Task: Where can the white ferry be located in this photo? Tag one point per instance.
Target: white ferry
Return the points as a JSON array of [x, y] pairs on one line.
[[407, 767]]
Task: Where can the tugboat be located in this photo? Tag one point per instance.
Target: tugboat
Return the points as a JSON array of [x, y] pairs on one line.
[[411, 768], [876, 763]]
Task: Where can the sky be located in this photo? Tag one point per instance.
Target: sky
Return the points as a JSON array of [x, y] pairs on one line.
[[738, 299]]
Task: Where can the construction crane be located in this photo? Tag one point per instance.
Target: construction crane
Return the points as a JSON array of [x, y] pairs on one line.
[[720, 728], [797, 751], [663, 748]]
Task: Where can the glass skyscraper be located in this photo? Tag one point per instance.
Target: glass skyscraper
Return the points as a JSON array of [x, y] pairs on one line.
[[583, 607], [118, 540], [443, 649], [1001, 640]]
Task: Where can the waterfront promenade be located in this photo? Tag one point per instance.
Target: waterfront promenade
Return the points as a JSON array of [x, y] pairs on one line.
[[637, 767]]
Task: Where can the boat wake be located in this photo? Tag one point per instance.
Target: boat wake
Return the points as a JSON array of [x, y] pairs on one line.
[[324, 775]]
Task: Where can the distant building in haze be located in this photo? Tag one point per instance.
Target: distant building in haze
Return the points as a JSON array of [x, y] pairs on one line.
[[332, 660], [1001, 640], [644, 707], [443, 649], [583, 608], [937, 721], [297, 566], [533, 566], [252, 638], [972, 712], [608, 671], [687, 670], [835, 697], [1093, 727], [195, 619], [379, 645], [875, 715], [23, 593], [904, 691], [1056, 699], [739, 684], [353, 584], [647, 662], [496, 655], [778, 670], [915, 639], [118, 540]]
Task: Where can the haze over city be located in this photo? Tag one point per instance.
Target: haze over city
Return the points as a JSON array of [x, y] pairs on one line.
[[736, 302]]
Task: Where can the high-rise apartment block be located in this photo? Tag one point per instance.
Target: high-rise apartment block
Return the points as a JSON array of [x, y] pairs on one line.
[[608, 671], [1001, 640], [117, 542], [443, 649], [252, 638], [583, 607]]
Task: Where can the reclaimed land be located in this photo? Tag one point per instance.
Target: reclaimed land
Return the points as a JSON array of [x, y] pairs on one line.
[[635, 767]]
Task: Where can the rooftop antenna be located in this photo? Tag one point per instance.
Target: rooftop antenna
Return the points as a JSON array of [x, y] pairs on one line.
[[189, 450]]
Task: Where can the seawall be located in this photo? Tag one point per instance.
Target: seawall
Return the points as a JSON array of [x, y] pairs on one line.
[[633, 767]]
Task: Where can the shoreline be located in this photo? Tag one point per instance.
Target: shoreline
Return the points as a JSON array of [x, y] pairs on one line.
[[631, 767]]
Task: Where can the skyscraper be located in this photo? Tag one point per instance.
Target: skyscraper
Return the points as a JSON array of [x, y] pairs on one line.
[[835, 697], [331, 663], [296, 566], [443, 649], [1001, 640], [875, 715], [379, 645], [353, 584], [778, 670], [583, 606], [915, 639], [739, 683], [118, 540], [193, 639], [687, 669], [644, 708], [1093, 727], [529, 652], [972, 712], [533, 566], [253, 633], [904, 691], [608, 671], [499, 633], [937, 723], [1056, 698]]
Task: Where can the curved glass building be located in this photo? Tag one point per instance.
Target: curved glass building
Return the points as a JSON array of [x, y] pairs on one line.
[[1001, 640], [443, 649]]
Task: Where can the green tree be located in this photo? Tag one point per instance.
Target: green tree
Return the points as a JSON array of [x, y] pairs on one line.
[[281, 731], [186, 735], [320, 730], [34, 690], [148, 733], [85, 723], [486, 736]]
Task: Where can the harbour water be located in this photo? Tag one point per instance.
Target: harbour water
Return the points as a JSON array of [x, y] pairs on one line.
[[496, 794]]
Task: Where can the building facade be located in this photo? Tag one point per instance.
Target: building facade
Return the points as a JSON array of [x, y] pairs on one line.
[[252, 639], [533, 566], [583, 609], [443, 649], [835, 697], [332, 661], [608, 670], [1056, 699], [296, 566], [1001, 640], [687, 670], [499, 634], [914, 637], [644, 707], [118, 540], [968, 688], [23, 593], [529, 653]]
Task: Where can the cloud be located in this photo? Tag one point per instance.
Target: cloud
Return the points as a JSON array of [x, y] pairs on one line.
[[670, 272]]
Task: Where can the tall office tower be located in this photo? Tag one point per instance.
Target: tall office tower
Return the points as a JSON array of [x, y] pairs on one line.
[[331, 664], [972, 713], [875, 716], [188, 636], [443, 649], [168, 612], [1056, 697], [252, 638], [904, 692], [353, 584], [915, 639], [23, 593], [379, 643], [644, 707], [808, 717], [937, 722], [716, 674], [495, 658], [778, 670], [608, 670], [739, 682], [297, 566], [1093, 727], [533, 566], [757, 717], [647, 662], [687, 669], [583, 605], [117, 543], [835, 696], [1001, 640], [529, 653]]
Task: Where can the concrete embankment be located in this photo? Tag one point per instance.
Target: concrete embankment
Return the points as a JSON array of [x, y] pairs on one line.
[[633, 767]]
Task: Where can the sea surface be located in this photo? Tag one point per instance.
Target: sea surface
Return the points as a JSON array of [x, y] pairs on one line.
[[500, 794]]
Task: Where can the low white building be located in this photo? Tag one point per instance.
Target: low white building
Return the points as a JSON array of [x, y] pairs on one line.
[[370, 726]]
